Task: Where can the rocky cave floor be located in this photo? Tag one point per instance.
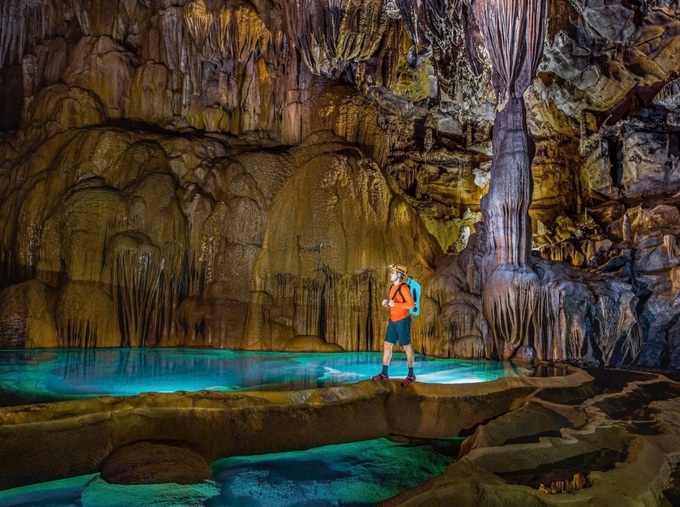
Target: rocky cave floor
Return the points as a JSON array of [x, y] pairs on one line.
[[592, 437], [609, 381], [623, 429]]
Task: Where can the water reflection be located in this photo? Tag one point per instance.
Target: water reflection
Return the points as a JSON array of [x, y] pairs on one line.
[[76, 373]]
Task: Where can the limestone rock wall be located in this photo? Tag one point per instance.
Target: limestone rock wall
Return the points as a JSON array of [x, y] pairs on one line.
[[142, 238], [570, 315], [118, 238], [335, 226], [239, 174]]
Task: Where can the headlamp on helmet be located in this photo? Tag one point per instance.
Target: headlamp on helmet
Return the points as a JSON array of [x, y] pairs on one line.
[[399, 268]]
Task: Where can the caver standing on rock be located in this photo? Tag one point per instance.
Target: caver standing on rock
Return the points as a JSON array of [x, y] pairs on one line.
[[399, 326]]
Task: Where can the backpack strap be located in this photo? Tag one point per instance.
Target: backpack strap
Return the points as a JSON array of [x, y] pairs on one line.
[[403, 299]]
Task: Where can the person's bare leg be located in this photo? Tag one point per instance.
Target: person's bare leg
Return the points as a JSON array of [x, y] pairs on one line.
[[387, 353], [410, 356], [387, 357]]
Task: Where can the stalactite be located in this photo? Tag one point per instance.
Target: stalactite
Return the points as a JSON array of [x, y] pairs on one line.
[[548, 323], [195, 279], [438, 24], [300, 302], [136, 279], [331, 34], [198, 21], [85, 316], [20, 21], [461, 326], [619, 335], [232, 47], [340, 309], [7, 266], [169, 296], [555, 318], [354, 319], [79, 334], [240, 34]]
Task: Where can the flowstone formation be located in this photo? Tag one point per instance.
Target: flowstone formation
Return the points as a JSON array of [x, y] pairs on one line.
[[180, 240], [509, 284], [612, 448], [229, 174], [333, 219], [117, 232]]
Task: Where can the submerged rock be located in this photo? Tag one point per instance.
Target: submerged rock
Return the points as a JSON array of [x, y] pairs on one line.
[[154, 462]]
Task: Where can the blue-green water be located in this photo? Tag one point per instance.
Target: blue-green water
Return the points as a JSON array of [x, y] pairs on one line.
[[60, 374], [358, 474]]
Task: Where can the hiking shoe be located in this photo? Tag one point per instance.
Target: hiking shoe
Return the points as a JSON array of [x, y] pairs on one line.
[[380, 376], [408, 380]]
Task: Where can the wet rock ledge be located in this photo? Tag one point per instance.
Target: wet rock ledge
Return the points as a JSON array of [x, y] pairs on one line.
[[581, 439]]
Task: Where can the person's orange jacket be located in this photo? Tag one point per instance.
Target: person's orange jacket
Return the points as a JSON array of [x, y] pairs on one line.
[[403, 301]]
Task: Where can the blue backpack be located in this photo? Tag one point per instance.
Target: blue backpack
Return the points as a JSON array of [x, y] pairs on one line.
[[414, 287]]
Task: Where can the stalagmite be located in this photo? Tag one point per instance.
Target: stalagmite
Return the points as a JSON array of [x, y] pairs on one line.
[[512, 33]]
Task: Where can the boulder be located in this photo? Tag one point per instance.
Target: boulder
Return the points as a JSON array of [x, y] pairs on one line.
[[154, 462]]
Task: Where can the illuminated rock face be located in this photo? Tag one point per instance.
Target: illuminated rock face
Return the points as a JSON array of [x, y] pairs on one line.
[[141, 239], [334, 227], [239, 174], [124, 233]]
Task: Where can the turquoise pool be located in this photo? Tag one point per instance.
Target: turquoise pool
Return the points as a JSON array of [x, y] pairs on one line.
[[357, 474], [61, 374]]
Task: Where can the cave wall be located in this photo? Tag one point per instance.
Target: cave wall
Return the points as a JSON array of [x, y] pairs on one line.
[[240, 174]]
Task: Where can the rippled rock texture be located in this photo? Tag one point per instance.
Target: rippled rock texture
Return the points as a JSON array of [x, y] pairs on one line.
[[597, 437], [239, 174]]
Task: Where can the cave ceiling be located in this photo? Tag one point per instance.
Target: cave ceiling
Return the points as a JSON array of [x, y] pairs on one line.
[[263, 67]]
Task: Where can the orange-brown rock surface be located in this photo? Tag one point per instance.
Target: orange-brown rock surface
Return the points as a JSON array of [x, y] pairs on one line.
[[611, 449], [154, 463], [237, 174]]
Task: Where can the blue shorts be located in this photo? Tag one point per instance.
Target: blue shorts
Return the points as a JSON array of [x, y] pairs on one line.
[[399, 331]]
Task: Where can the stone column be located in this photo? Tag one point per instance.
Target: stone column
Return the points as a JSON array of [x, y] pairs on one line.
[[512, 32]]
